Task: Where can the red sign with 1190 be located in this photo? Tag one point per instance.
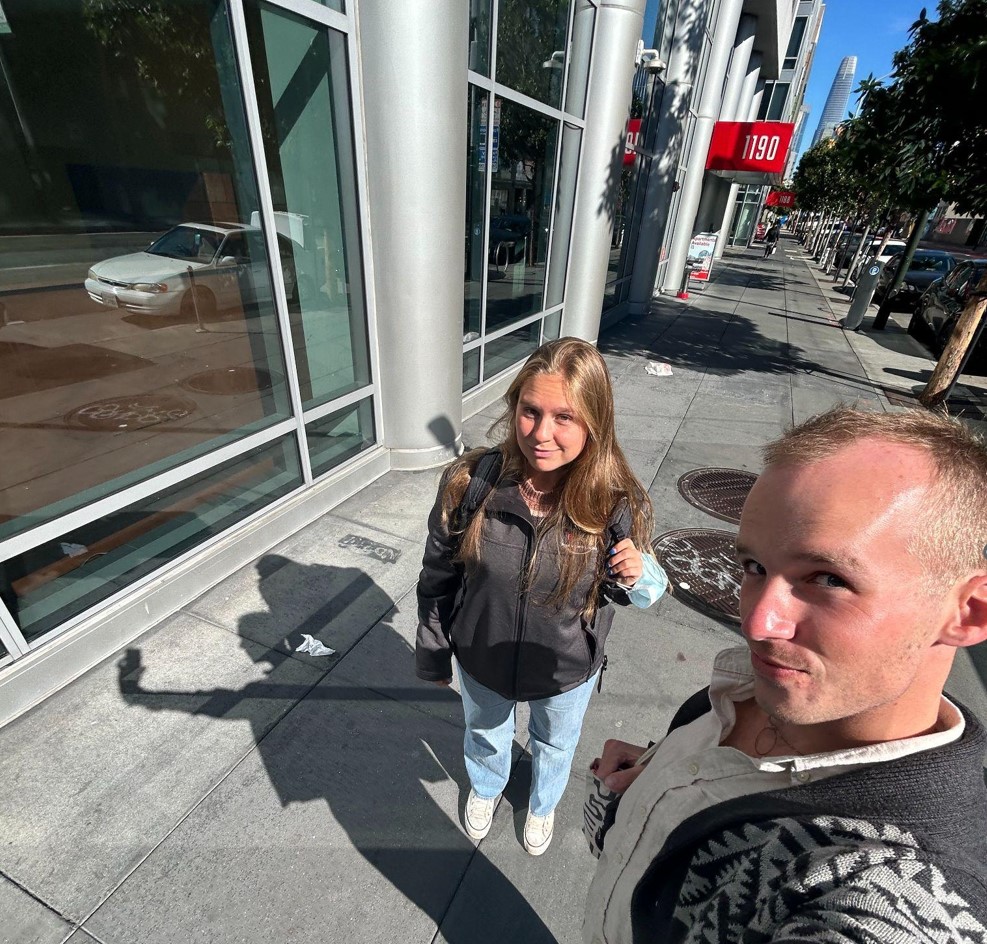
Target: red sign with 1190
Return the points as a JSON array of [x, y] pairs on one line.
[[750, 146]]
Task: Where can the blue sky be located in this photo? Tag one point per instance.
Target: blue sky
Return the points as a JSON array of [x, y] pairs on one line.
[[871, 30]]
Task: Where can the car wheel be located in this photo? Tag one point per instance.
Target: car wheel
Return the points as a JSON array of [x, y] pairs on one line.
[[204, 300]]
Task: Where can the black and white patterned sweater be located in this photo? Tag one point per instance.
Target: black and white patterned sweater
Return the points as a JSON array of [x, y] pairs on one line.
[[895, 853]]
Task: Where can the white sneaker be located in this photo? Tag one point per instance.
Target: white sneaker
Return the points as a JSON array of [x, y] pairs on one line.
[[479, 815], [538, 832]]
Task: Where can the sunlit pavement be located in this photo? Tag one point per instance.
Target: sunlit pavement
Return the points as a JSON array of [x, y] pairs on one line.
[[211, 784]]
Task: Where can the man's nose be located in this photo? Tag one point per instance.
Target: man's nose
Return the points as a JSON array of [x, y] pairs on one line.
[[768, 612]]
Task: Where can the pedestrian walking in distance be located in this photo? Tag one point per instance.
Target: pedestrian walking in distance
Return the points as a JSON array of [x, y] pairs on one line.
[[528, 546], [771, 240]]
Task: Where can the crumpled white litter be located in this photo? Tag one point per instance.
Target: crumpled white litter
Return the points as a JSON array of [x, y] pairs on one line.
[[313, 647], [659, 370], [73, 550]]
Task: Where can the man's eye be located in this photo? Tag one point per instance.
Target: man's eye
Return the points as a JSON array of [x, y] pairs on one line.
[[563, 418], [830, 581], [752, 567]]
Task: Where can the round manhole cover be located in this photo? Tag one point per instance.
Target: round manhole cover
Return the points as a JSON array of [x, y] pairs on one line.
[[135, 412], [719, 492], [702, 569], [226, 381]]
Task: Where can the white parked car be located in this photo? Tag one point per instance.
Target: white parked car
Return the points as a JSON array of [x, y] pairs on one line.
[[228, 263], [893, 247]]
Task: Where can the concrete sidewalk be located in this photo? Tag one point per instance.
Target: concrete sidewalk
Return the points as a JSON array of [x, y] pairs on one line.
[[209, 784]]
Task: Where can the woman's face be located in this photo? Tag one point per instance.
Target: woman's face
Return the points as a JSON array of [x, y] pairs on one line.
[[549, 431]]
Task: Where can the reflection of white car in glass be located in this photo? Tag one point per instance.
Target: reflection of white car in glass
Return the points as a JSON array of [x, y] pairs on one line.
[[229, 269]]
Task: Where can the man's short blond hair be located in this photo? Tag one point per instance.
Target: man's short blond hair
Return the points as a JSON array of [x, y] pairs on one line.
[[951, 541]]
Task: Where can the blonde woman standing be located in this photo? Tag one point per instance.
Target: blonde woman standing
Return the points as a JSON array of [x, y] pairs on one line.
[[520, 591]]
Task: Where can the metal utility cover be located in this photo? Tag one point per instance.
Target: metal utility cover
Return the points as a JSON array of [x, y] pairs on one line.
[[719, 492], [702, 569]]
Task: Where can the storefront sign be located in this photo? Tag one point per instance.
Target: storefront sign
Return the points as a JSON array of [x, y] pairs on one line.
[[701, 256], [633, 138], [781, 198], [760, 146]]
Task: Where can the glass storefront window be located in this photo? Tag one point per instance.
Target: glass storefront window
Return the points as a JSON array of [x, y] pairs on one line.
[[139, 328], [502, 352], [49, 584], [531, 47], [476, 192], [520, 214], [479, 52], [471, 369], [565, 200], [340, 436], [300, 71], [620, 216]]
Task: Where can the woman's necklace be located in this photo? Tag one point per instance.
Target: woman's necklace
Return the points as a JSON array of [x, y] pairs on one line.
[[767, 740], [539, 504]]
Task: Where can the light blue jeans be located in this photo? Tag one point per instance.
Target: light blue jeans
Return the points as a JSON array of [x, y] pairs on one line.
[[554, 726]]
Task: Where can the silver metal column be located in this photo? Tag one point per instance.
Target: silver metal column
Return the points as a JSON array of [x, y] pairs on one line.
[[746, 110], [673, 109], [414, 62], [731, 107], [724, 34], [618, 28], [713, 202]]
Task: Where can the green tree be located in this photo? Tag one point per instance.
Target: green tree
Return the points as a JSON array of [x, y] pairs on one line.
[[922, 138]]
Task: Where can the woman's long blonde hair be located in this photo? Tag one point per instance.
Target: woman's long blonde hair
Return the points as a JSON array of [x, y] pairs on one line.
[[597, 480]]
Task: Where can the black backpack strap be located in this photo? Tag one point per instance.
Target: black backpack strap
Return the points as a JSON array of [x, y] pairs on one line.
[[482, 480]]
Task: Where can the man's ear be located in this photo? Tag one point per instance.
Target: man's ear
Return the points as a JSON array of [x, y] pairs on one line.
[[969, 625]]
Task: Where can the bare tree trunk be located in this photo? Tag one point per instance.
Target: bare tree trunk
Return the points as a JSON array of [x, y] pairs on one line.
[[820, 232], [864, 241], [958, 348], [884, 312]]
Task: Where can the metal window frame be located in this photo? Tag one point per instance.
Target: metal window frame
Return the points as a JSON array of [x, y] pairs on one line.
[[494, 90], [175, 563]]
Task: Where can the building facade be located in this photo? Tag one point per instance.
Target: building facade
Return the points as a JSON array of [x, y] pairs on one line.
[[721, 61]]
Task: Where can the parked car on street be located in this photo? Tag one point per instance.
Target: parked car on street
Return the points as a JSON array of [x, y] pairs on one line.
[[926, 266], [228, 263], [892, 249], [942, 303]]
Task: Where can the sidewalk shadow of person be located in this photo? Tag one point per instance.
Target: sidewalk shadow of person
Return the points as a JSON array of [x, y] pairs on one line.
[[357, 747]]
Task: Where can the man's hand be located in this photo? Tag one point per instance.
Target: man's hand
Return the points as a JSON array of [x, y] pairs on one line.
[[616, 767], [625, 564]]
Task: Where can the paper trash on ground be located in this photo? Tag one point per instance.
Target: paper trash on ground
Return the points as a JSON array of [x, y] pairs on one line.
[[313, 647], [659, 370]]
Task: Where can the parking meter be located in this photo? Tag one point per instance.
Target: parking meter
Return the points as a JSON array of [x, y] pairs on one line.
[[862, 294]]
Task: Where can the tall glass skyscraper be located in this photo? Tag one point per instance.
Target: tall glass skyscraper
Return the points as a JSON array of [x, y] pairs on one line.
[[839, 94]]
